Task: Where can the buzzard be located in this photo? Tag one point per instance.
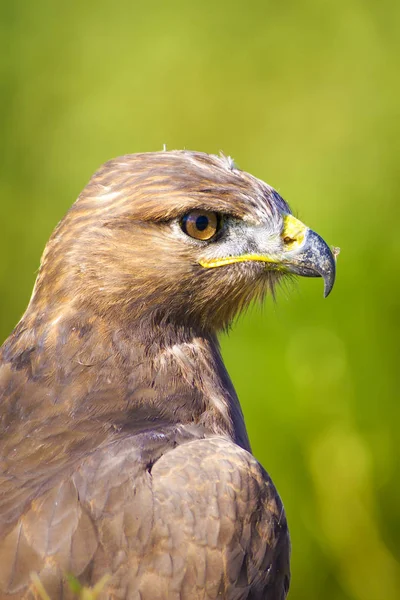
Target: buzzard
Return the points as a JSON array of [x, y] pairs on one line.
[[123, 448]]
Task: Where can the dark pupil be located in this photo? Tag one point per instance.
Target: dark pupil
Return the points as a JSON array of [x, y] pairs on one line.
[[202, 223]]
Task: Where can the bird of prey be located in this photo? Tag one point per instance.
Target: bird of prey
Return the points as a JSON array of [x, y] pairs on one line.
[[123, 448]]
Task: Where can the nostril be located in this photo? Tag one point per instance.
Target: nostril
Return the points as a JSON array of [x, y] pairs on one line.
[[288, 239]]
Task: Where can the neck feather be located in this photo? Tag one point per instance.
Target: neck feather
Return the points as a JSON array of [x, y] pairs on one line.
[[125, 377]]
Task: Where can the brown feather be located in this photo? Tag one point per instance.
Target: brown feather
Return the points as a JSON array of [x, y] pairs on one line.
[[123, 446]]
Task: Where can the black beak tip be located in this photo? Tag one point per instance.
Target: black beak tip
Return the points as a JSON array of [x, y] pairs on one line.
[[328, 270], [328, 284]]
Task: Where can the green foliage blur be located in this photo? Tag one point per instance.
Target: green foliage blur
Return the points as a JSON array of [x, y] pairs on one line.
[[305, 95]]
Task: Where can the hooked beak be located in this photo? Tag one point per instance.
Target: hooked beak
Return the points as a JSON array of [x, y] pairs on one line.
[[306, 253]]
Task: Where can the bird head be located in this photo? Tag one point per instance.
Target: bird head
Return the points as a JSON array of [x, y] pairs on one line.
[[180, 236]]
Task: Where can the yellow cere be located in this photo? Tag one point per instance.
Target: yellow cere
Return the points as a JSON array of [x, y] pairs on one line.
[[293, 232]]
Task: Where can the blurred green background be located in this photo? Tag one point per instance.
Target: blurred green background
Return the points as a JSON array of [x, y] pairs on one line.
[[305, 95]]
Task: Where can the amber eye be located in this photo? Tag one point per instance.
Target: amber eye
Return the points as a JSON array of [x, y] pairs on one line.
[[201, 224]]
